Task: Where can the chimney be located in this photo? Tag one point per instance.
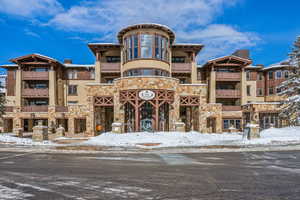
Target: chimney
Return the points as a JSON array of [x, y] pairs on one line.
[[67, 61], [242, 53]]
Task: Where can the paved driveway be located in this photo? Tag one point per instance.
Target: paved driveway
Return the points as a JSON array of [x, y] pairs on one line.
[[247, 176]]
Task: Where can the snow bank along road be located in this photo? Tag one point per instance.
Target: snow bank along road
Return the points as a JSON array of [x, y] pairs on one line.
[[176, 176]]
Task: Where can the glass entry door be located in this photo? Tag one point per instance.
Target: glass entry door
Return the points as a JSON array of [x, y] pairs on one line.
[[147, 117]]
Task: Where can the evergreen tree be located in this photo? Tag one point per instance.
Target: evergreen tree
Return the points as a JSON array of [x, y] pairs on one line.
[[291, 88]]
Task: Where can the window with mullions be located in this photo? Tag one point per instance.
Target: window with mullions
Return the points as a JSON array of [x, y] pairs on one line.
[[178, 59], [146, 46], [146, 72], [235, 123], [278, 74]]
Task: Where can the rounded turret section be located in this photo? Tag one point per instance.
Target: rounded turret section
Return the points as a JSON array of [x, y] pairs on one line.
[[146, 50]]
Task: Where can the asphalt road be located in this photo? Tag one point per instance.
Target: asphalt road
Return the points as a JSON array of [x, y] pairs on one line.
[[246, 176]]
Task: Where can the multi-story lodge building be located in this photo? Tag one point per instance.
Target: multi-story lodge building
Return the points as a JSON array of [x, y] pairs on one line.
[[145, 79]]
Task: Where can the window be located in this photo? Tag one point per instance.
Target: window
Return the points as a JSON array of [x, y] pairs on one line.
[[72, 90], [260, 92], [72, 102], [146, 46], [271, 91], [72, 74], [278, 75], [248, 75], [113, 59], [270, 74], [260, 76], [146, 72], [248, 90], [228, 123], [39, 69], [92, 73], [182, 80], [178, 59], [286, 74], [109, 80], [278, 90]]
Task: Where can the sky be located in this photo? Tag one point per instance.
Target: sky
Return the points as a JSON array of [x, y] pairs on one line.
[[62, 28]]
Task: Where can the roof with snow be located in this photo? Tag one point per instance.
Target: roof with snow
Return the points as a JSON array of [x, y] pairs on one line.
[[79, 65]]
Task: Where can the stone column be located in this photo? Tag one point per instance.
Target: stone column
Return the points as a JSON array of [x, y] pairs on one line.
[[174, 113], [212, 86], [17, 124], [71, 126], [194, 70], [19, 87], [98, 68], [52, 87], [243, 87], [90, 119]]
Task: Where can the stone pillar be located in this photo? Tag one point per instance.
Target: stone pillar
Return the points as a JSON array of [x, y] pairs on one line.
[[60, 131], [90, 119], [17, 124], [18, 87], [30, 124], [212, 86], [71, 126], [117, 127], [194, 70], [52, 87], [119, 113], [174, 112], [98, 68], [179, 127], [40, 132], [243, 88]]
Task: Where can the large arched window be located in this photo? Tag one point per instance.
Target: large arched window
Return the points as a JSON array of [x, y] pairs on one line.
[[146, 46]]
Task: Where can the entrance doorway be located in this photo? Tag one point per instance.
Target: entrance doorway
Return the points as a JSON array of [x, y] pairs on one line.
[[190, 116], [146, 115], [104, 117]]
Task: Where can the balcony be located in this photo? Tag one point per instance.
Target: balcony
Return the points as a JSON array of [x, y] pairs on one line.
[[61, 109], [110, 67], [9, 109], [32, 75], [231, 108], [228, 93], [228, 76], [36, 93], [182, 67], [34, 109]]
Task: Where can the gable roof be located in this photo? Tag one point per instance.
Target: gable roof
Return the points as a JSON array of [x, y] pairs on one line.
[[34, 56]]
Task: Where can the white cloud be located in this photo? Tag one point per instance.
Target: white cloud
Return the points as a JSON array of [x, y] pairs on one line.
[[192, 20], [31, 33], [30, 8]]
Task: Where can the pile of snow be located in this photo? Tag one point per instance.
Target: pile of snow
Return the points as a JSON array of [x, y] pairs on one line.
[[182, 139], [277, 135], [11, 139], [163, 139]]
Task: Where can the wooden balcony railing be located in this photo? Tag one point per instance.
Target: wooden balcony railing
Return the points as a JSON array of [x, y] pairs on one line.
[[61, 109], [32, 75], [182, 67], [228, 76], [28, 92], [34, 109], [228, 93], [9, 109], [231, 108], [110, 67]]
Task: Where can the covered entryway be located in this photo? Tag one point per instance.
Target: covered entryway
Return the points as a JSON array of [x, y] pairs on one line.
[[189, 112], [104, 113], [146, 110]]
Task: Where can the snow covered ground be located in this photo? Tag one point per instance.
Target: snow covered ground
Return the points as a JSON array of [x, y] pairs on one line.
[[273, 136], [8, 138], [192, 139]]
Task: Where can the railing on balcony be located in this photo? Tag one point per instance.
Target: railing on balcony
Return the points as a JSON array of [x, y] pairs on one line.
[[231, 108], [34, 109], [61, 109], [228, 76], [228, 93], [9, 109], [110, 67], [181, 67], [32, 75], [29, 92]]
